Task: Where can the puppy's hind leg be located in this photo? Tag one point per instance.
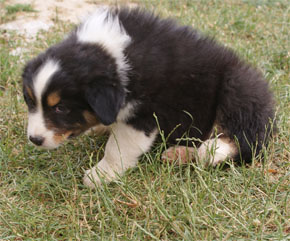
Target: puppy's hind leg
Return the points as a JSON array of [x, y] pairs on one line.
[[181, 154], [212, 151], [216, 150], [122, 151]]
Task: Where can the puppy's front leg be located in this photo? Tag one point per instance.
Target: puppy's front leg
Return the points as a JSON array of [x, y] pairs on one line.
[[122, 151]]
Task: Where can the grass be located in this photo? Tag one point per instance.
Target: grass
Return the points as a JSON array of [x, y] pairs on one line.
[[11, 9], [41, 193], [10, 12]]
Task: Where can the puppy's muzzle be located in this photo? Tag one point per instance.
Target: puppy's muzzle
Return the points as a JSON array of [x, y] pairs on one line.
[[37, 140]]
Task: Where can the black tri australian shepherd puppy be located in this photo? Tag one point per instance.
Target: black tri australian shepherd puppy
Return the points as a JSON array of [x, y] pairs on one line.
[[129, 73]]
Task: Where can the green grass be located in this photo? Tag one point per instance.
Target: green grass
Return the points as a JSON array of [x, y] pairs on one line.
[[41, 193], [11, 9], [10, 12]]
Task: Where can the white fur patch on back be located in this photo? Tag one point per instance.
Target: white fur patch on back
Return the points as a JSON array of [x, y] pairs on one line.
[[104, 28]]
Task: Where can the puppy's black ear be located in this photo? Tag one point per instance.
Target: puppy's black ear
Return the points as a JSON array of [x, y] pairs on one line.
[[105, 100]]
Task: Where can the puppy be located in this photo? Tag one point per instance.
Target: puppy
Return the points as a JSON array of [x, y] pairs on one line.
[[129, 72]]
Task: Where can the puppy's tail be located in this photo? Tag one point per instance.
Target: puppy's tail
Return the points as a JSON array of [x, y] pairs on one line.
[[246, 110]]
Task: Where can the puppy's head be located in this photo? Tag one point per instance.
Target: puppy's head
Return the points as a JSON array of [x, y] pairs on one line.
[[68, 89]]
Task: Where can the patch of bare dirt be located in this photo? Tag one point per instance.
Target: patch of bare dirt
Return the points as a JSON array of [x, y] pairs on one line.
[[46, 13]]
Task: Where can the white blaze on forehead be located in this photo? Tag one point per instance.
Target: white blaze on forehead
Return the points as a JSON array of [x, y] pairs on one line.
[[104, 28], [43, 76]]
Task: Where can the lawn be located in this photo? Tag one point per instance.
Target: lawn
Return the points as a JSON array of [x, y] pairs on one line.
[[41, 192]]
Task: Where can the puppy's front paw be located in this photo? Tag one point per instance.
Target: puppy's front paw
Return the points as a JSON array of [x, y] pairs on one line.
[[91, 178], [102, 172]]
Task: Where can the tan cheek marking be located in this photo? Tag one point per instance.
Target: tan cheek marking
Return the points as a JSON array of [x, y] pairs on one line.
[[58, 138], [50, 126], [90, 118], [53, 99], [29, 91]]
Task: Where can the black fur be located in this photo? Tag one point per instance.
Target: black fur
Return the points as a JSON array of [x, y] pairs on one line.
[[177, 73], [106, 101], [184, 70]]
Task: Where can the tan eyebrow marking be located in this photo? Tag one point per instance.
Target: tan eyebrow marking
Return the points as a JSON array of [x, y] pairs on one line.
[[53, 98], [29, 92]]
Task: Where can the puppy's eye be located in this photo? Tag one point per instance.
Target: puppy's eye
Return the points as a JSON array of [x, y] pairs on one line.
[[61, 109]]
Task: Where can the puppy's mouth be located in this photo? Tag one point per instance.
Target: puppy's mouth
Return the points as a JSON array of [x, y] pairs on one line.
[[72, 135]]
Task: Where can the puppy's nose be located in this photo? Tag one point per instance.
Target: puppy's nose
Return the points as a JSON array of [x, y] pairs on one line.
[[37, 140]]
